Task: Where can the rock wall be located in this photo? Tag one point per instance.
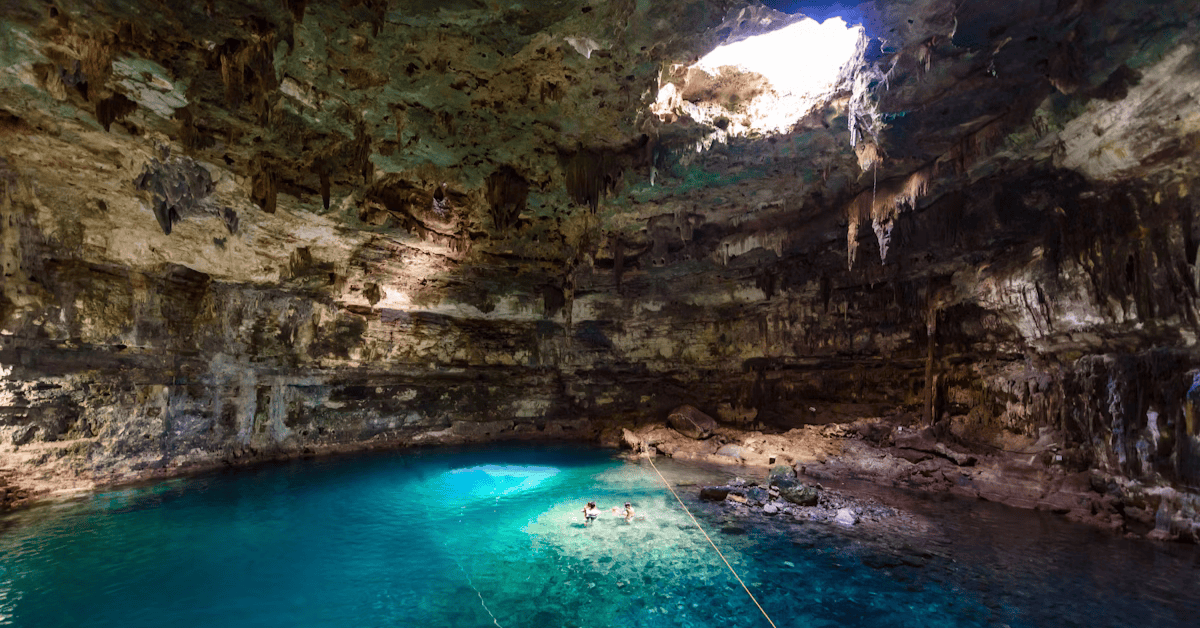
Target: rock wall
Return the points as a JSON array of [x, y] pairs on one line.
[[239, 230]]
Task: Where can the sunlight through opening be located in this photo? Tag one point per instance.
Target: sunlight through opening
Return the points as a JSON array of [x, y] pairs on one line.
[[764, 83], [800, 59]]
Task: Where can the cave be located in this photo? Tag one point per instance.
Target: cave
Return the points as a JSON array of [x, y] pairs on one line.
[[963, 263]]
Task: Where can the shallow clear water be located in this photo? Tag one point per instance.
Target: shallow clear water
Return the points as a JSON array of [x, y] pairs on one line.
[[495, 538]]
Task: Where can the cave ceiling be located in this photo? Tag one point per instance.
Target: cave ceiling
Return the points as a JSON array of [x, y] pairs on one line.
[[505, 159]]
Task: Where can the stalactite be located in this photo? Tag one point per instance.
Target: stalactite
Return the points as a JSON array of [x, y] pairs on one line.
[[96, 63], [869, 155], [231, 73], [360, 153], [297, 8], [190, 134], [263, 186], [323, 167], [931, 330], [506, 192], [852, 241], [323, 175], [591, 175], [970, 149], [1067, 67], [881, 207], [767, 281], [230, 218], [618, 253], [250, 67], [553, 301], [113, 108]]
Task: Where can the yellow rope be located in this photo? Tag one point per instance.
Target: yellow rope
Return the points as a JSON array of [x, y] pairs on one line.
[[710, 542]]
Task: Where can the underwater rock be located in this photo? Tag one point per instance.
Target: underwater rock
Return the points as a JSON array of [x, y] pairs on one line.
[[713, 493], [845, 517]]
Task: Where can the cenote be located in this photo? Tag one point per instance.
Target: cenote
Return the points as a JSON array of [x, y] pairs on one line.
[[494, 537]]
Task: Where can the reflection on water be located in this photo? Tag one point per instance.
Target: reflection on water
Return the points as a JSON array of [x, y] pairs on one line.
[[495, 537]]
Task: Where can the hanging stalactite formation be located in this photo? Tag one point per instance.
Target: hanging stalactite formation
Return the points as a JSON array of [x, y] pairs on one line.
[[506, 194], [590, 176]]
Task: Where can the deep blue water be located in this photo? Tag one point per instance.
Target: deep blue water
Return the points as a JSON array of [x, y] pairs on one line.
[[494, 538]]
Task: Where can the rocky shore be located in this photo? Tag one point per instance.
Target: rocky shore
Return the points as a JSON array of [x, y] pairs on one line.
[[1027, 472], [786, 496]]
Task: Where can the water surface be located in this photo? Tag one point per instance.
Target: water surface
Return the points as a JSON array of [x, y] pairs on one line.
[[494, 537]]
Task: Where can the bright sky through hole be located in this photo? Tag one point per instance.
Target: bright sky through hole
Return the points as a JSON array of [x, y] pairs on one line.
[[801, 58]]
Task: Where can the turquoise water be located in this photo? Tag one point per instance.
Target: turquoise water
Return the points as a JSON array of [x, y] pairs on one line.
[[495, 538]]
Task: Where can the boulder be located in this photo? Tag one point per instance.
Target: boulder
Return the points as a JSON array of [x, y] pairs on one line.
[[714, 493], [915, 446], [800, 494], [757, 495], [24, 434], [919, 440], [845, 517], [632, 441], [691, 422], [959, 458], [770, 508], [783, 477], [732, 451]]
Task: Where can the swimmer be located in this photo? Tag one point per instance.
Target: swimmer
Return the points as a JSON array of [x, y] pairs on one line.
[[627, 512], [590, 513]]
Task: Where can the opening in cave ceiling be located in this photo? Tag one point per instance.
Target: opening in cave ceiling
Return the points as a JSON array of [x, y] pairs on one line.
[[772, 70]]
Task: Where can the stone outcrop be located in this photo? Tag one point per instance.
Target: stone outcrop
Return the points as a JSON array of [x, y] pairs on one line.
[[236, 230], [827, 505], [1030, 475], [691, 422]]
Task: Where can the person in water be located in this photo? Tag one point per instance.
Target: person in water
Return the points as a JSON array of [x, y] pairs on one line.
[[628, 512], [590, 513]]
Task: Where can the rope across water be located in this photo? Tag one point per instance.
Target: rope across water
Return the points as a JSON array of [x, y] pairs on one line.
[[476, 590], [467, 576], [710, 542]]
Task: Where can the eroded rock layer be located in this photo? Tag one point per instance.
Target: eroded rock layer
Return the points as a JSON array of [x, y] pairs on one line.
[[240, 229]]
